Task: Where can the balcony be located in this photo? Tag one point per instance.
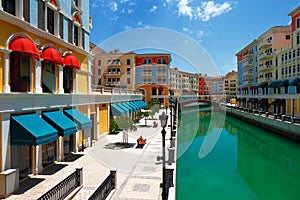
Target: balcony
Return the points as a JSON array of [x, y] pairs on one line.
[[265, 68], [248, 63], [264, 44], [266, 55], [265, 79], [248, 55]]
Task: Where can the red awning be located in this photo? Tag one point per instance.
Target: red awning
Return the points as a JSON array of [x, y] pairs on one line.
[[71, 61], [25, 46], [52, 55], [160, 88], [154, 88]]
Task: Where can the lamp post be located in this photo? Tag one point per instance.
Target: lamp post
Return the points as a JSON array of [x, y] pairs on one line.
[[163, 122]]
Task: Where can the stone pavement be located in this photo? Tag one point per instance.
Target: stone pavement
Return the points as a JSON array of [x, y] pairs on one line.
[[139, 173]]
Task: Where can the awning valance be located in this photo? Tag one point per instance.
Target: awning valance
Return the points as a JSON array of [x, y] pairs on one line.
[[52, 55], [60, 122], [252, 100], [24, 46], [71, 61], [132, 105], [81, 120], [31, 130], [263, 85], [116, 110]]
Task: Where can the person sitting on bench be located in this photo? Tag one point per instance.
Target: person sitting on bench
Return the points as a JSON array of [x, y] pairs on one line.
[[140, 142]]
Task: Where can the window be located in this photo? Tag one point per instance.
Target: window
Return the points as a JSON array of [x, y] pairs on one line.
[[83, 40], [298, 22], [19, 73], [99, 62], [26, 10], [70, 30], [99, 81], [76, 36], [76, 3], [128, 80], [61, 26], [149, 61], [50, 18], [99, 71], [128, 70], [48, 77], [128, 61], [287, 37], [298, 37], [68, 79], [9, 6], [41, 15]]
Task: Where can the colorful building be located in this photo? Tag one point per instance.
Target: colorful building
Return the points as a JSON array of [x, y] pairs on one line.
[[47, 107], [275, 87], [152, 76], [230, 85]]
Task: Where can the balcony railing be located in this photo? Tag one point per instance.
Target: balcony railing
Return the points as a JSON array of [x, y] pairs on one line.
[[265, 55], [264, 44]]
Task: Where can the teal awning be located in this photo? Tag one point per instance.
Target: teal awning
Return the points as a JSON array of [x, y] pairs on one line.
[[274, 84], [283, 83], [142, 103], [294, 82], [123, 107], [262, 85], [81, 120], [31, 130], [131, 104], [138, 106], [128, 107], [60, 122], [116, 110], [252, 100]]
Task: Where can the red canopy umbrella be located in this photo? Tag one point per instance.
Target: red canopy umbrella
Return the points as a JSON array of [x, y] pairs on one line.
[[52, 55], [71, 61]]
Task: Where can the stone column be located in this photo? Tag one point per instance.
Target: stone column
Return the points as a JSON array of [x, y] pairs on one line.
[[5, 150], [19, 9], [35, 159], [6, 72], [38, 77], [60, 80]]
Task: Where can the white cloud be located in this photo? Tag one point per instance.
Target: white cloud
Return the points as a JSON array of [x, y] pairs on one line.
[[124, 1], [115, 18], [140, 23], [204, 12], [154, 8], [200, 34], [129, 11], [113, 6], [127, 27], [210, 9], [184, 9], [185, 29]]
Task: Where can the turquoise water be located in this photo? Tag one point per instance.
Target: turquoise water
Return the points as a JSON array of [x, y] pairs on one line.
[[246, 162]]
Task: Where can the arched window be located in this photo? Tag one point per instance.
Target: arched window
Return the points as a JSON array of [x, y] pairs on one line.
[[23, 50], [153, 91], [160, 90]]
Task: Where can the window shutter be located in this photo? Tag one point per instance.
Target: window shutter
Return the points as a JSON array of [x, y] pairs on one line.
[[26, 10], [41, 15]]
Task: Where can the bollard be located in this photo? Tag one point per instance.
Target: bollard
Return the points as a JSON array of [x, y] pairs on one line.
[[114, 178], [79, 175], [173, 141], [171, 156]]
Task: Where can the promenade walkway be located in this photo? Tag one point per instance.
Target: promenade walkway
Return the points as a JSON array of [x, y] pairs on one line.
[[139, 173]]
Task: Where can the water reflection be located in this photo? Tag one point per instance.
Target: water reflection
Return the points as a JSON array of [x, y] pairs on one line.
[[247, 162]]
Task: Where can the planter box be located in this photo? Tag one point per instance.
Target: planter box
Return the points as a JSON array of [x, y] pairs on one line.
[[9, 182]]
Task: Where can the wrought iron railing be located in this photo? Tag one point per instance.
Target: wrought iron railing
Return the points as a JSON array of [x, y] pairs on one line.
[[106, 187], [65, 187]]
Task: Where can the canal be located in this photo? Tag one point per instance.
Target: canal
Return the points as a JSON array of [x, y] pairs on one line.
[[240, 161]]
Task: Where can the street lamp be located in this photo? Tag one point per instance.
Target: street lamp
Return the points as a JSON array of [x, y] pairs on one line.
[[163, 122]]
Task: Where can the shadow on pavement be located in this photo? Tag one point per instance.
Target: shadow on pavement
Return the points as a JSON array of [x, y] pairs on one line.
[[72, 157], [28, 184], [119, 145], [52, 169]]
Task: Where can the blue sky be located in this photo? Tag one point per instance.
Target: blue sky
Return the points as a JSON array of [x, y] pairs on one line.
[[220, 27]]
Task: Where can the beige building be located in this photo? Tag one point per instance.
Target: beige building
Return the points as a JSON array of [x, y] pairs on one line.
[[113, 69], [230, 85]]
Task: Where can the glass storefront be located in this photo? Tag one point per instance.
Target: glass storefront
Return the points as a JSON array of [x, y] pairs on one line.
[[48, 153], [68, 144], [21, 158]]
